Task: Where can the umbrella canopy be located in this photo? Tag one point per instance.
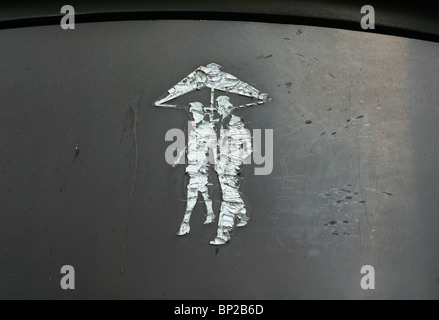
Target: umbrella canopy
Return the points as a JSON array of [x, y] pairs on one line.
[[212, 77]]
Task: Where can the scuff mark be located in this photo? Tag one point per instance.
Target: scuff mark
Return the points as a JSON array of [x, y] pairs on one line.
[[330, 74], [136, 146]]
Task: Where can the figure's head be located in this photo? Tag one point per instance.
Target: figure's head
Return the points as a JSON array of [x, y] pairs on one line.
[[225, 107], [213, 68], [196, 108]]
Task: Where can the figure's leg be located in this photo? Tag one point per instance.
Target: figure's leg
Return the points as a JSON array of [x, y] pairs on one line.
[[226, 221], [226, 218], [192, 195], [233, 197], [210, 216], [239, 205]]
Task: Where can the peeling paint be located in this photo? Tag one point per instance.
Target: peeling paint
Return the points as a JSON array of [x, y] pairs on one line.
[[229, 153]]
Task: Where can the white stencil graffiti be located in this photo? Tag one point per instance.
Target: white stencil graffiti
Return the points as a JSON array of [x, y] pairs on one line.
[[201, 141], [234, 146]]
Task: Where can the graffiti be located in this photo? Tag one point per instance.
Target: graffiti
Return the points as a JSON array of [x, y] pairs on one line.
[[228, 151]]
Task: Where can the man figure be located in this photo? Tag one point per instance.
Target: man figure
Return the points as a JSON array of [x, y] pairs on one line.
[[201, 141], [235, 148]]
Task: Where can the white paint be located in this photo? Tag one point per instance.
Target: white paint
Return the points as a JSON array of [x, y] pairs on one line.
[[234, 148], [229, 153], [201, 140]]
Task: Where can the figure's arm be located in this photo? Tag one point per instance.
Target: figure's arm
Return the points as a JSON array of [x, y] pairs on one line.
[[262, 98]]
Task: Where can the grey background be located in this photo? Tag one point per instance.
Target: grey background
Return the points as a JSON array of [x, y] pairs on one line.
[[366, 194]]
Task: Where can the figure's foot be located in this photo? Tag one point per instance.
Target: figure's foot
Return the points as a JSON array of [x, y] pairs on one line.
[[218, 241], [184, 229], [210, 218], [242, 221], [223, 235]]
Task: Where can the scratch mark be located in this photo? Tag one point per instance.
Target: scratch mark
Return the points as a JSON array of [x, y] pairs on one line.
[[76, 153], [128, 215], [330, 74], [136, 146], [359, 253], [290, 133]]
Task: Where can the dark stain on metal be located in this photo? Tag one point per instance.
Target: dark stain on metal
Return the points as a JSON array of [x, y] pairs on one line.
[[269, 56], [299, 32], [76, 154], [388, 193], [308, 121], [288, 84]]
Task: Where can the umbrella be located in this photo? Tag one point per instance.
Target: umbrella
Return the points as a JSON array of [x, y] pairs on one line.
[[212, 77]]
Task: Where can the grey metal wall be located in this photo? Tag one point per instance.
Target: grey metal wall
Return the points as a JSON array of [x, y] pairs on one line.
[[356, 186]]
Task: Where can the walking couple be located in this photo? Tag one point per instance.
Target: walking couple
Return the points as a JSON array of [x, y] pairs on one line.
[[234, 146]]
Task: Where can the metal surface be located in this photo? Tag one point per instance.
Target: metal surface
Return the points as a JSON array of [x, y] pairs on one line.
[[413, 19], [84, 179]]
